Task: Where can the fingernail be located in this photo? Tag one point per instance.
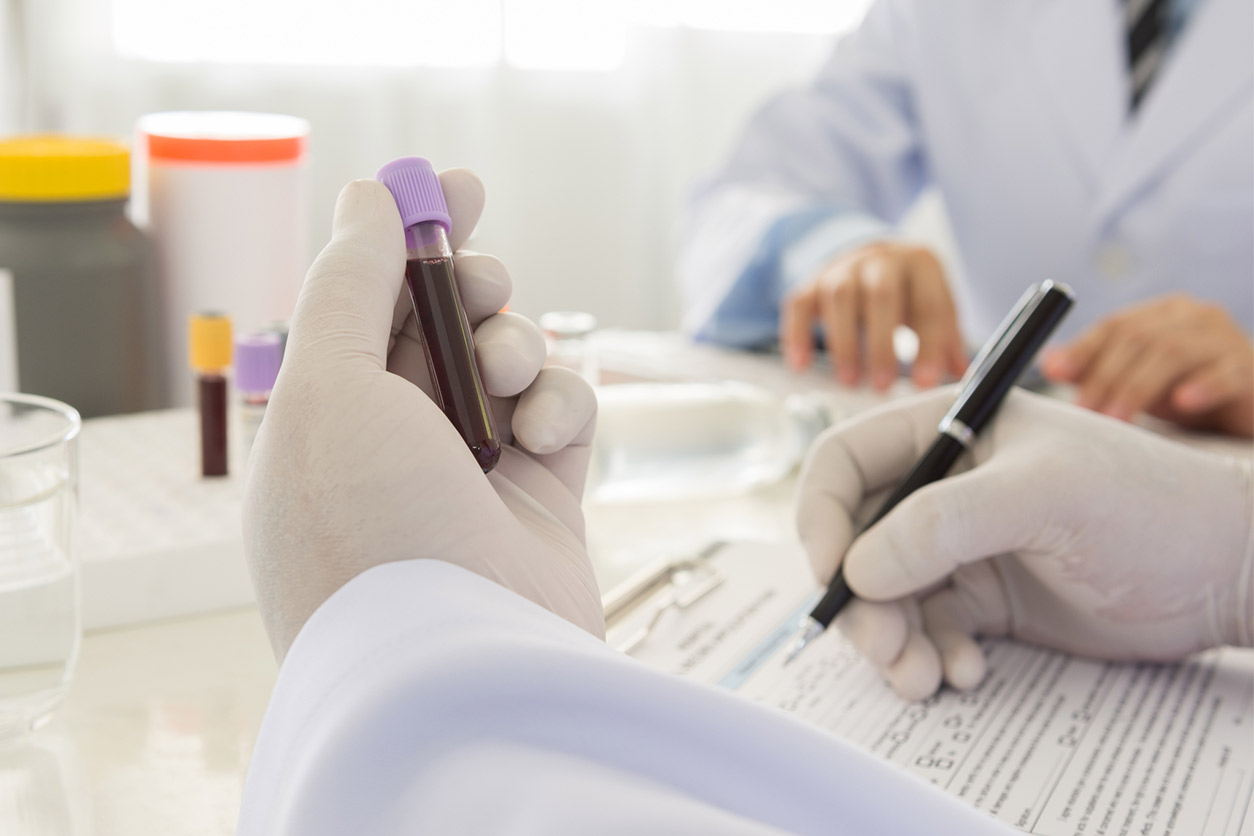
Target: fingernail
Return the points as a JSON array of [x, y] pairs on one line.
[[926, 376], [1055, 365], [848, 374], [1118, 411], [348, 203], [882, 379], [1191, 396]]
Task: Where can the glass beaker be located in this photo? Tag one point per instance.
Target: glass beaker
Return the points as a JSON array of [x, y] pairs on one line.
[[39, 596]]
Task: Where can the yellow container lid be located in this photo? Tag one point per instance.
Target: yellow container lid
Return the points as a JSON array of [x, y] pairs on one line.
[[209, 341], [55, 168]]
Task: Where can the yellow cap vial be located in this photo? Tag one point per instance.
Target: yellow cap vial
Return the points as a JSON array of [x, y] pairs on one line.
[[209, 340], [51, 168]]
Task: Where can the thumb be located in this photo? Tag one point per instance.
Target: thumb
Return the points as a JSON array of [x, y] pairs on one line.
[[851, 463], [345, 308], [991, 510]]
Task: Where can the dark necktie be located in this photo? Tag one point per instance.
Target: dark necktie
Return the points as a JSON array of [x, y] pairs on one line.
[[1146, 25]]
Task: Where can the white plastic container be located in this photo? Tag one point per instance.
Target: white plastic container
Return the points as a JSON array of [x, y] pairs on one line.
[[672, 441], [223, 196]]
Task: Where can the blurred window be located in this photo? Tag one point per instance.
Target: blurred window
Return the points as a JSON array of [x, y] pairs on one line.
[[529, 34]]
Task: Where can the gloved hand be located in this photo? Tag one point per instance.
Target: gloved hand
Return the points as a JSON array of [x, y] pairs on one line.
[[1062, 527], [355, 465]]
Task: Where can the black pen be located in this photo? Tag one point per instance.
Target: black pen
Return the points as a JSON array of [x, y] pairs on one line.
[[989, 377]]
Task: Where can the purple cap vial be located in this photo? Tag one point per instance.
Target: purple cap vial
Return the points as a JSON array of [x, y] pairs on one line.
[[416, 190], [447, 339], [257, 359]]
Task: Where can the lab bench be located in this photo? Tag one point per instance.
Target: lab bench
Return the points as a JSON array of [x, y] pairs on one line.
[[175, 670]]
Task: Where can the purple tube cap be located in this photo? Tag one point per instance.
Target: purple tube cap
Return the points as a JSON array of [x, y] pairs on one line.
[[257, 359], [416, 190]]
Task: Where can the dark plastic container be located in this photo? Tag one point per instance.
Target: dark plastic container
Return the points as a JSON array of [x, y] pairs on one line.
[[84, 277]]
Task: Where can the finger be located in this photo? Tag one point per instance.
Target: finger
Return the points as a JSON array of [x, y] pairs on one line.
[[987, 511], [555, 412], [536, 496], [850, 463], [878, 630], [940, 354], [483, 284], [1068, 363], [555, 419], [951, 626], [1213, 385], [796, 327], [883, 278], [510, 351], [346, 304], [463, 193], [958, 359], [1118, 355], [1151, 377], [917, 673], [932, 315], [839, 298]]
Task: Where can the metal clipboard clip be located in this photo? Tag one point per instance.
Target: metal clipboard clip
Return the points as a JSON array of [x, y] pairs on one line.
[[668, 585]]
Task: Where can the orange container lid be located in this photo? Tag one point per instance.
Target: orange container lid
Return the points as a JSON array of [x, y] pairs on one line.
[[210, 136]]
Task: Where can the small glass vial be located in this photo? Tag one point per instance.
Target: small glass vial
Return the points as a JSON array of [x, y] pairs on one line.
[[567, 335], [257, 359], [446, 336], [210, 338], [278, 327]]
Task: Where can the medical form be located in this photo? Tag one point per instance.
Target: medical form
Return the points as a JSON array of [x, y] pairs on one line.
[[1049, 743]]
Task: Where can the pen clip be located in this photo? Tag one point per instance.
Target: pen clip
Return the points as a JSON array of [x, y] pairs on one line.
[[675, 584], [1004, 357], [983, 360]]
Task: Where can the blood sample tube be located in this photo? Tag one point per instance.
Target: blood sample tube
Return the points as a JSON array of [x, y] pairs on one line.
[[446, 336], [257, 358], [210, 343]]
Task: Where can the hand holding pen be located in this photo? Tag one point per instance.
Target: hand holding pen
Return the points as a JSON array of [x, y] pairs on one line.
[[990, 377], [1061, 528]]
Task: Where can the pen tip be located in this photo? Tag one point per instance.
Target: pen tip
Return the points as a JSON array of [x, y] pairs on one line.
[[794, 650], [808, 631]]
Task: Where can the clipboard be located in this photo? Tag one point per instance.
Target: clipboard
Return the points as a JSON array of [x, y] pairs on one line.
[[666, 585]]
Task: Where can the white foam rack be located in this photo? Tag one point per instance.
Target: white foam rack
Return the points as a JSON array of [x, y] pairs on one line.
[[155, 539]]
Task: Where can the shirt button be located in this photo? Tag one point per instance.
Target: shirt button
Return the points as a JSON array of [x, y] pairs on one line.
[[1114, 261]]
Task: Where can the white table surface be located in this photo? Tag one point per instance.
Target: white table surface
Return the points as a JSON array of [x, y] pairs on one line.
[[157, 731]]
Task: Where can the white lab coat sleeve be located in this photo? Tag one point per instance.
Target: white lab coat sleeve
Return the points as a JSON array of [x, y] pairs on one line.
[[422, 698], [849, 144]]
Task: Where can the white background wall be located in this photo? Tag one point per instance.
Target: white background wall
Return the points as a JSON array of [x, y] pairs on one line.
[[586, 171]]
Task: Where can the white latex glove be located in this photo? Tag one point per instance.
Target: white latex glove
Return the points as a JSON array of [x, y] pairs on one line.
[[1062, 527], [355, 465]]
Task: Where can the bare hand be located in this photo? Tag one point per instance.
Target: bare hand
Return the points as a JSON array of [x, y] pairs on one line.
[[1176, 357], [859, 298]]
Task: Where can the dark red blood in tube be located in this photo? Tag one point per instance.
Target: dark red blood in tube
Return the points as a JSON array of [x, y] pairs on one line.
[[212, 425], [450, 352]]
